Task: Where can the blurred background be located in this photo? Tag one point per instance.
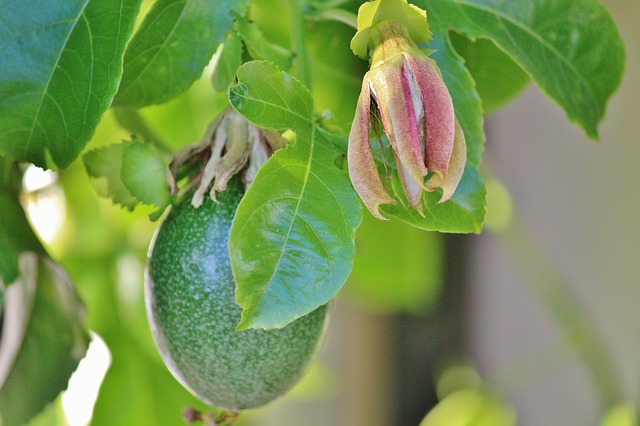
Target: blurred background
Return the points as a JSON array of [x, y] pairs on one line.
[[533, 322]]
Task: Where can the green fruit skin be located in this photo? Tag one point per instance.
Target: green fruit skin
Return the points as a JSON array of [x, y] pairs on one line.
[[189, 292]]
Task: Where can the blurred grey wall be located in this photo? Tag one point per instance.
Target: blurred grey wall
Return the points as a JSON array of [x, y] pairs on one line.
[[580, 203]]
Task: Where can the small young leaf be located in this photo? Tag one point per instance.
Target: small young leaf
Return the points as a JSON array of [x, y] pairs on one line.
[[145, 174], [228, 63], [576, 58], [288, 255], [259, 47], [129, 173], [43, 338], [172, 47], [60, 65], [104, 166]]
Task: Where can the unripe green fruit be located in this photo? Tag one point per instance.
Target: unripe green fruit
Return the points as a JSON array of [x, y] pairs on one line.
[[193, 313]]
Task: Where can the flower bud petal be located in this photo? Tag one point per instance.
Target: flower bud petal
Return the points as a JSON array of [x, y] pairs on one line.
[[456, 165], [362, 166], [412, 191], [439, 116], [401, 117]]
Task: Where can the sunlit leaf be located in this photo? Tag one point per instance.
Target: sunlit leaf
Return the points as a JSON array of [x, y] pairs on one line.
[[60, 65], [287, 254]]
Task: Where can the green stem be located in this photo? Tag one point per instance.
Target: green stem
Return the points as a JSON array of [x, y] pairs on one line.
[[301, 63]]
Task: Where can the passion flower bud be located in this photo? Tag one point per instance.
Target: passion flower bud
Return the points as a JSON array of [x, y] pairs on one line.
[[405, 88]]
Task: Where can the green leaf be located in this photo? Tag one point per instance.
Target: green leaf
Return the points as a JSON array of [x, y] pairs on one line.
[[60, 65], [571, 48], [463, 213], [228, 63], [145, 174], [104, 167], [171, 48], [272, 99], [130, 172], [43, 339], [287, 254], [259, 47], [498, 78]]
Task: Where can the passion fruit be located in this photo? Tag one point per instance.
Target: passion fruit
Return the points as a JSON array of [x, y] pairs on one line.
[[189, 292]]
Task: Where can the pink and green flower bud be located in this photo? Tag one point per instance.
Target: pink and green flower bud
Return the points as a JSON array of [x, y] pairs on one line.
[[407, 91]]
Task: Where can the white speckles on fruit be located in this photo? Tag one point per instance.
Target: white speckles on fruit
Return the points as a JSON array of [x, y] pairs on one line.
[[193, 314]]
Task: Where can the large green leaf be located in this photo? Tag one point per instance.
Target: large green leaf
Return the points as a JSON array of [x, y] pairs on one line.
[[292, 239], [171, 48], [43, 339], [571, 48], [60, 65]]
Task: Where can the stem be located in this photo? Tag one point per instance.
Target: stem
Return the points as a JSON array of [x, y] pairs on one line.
[[301, 64]]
